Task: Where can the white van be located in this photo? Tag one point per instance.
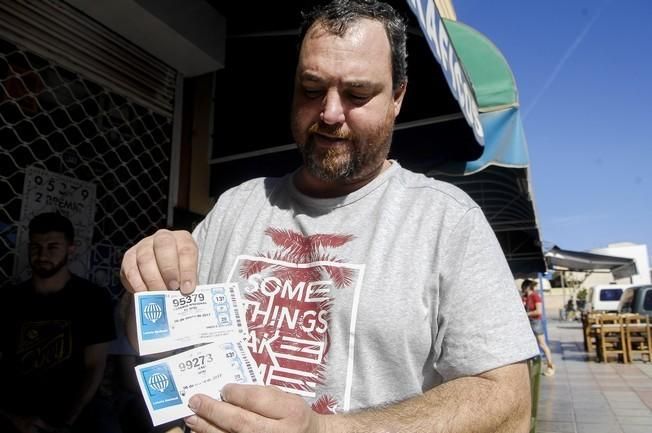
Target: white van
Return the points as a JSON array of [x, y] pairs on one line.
[[605, 297]]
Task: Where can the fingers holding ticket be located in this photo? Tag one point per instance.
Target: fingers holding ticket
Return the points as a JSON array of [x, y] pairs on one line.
[[166, 259]]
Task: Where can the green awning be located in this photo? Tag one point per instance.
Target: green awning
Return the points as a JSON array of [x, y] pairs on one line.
[[499, 179], [491, 77]]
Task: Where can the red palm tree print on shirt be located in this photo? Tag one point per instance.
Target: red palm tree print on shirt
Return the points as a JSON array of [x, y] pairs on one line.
[[288, 309]]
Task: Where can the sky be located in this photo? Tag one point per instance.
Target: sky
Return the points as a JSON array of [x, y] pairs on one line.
[[584, 74]]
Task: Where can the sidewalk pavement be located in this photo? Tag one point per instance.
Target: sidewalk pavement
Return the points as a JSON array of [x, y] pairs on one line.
[[585, 396]]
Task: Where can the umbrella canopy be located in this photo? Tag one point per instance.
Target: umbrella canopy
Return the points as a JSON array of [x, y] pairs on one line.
[[565, 260]]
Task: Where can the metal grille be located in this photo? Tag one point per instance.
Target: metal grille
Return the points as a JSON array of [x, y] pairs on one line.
[[55, 119]]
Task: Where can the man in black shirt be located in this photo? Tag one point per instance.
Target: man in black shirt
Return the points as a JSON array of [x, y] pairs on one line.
[[56, 330]]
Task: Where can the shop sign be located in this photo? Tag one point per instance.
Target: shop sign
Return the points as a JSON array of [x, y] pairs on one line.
[[442, 48]]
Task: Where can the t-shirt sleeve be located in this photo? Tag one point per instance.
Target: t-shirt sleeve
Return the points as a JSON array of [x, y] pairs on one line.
[[481, 321], [536, 299]]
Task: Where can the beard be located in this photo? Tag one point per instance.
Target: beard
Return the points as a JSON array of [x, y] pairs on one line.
[[350, 160], [48, 269]]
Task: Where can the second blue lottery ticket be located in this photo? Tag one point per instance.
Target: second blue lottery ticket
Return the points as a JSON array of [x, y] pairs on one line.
[[168, 384], [168, 320]]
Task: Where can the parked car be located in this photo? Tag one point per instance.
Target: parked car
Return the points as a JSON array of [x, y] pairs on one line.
[[637, 299], [605, 297]]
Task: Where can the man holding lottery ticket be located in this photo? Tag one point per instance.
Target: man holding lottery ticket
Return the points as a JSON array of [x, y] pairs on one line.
[[364, 285], [56, 330]]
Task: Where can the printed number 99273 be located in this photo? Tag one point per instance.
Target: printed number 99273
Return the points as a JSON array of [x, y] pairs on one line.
[[188, 299], [195, 362]]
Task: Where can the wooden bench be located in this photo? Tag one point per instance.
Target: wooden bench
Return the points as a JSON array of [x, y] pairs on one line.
[[610, 337], [638, 336]]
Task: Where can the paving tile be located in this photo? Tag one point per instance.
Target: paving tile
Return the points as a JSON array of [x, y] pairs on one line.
[[579, 372], [581, 380], [633, 374], [588, 396], [595, 416], [625, 411], [564, 411], [558, 416], [621, 396], [641, 386], [598, 428], [555, 427], [550, 400], [575, 389], [580, 368], [627, 404], [636, 420], [608, 380], [602, 366], [553, 409], [635, 429], [591, 404], [616, 388], [554, 385], [646, 397]]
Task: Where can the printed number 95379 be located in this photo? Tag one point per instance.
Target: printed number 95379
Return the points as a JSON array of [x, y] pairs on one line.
[[196, 362], [188, 299]]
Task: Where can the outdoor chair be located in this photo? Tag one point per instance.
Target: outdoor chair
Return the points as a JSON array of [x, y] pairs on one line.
[[590, 331], [610, 337], [638, 336]]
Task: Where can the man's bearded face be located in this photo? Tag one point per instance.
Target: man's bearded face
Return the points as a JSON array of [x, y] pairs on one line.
[[344, 103]]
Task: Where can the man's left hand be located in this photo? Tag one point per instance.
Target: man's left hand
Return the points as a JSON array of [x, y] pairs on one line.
[[253, 408]]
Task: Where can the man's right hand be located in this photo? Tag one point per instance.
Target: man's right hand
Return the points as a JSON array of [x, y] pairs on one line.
[[165, 260]]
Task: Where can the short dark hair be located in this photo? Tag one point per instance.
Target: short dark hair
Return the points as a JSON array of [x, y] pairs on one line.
[[526, 284], [52, 222], [338, 15]]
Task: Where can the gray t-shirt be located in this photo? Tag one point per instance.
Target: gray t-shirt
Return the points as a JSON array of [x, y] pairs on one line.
[[368, 298]]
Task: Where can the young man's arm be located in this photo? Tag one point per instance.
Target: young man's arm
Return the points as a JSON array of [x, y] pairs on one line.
[[94, 363], [495, 401]]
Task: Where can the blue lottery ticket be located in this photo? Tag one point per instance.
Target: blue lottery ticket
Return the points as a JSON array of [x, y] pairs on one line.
[[168, 384], [168, 320]]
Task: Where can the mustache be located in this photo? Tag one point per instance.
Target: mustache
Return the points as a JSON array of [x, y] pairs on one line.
[[330, 131]]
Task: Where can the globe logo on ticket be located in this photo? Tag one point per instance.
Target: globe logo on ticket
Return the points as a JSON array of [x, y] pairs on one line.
[[159, 381], [153, 312]]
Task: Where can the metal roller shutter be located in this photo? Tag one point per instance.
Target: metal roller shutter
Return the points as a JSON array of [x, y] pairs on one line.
[[57, 31]]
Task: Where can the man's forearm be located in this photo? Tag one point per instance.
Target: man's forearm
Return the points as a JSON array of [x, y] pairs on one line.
[[498, 401]]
